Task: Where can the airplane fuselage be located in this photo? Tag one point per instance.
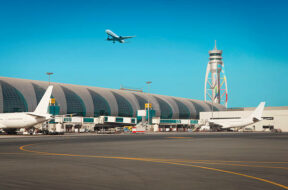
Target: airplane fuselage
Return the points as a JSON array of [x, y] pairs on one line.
[[109, 32], [254, 117], [231, 123], [19, 120], [114, 37]]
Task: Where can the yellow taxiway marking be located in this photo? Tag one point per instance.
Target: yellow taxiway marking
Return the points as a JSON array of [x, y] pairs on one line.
[[179, 137], [11, 153], [227, 164], [253, 162], [156, 161]]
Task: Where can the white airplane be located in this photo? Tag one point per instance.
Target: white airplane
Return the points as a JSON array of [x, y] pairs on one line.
[[254, 117], [114, 37], [12, 121]]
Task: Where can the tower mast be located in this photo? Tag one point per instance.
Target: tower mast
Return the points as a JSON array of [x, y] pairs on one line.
[[215, 79]]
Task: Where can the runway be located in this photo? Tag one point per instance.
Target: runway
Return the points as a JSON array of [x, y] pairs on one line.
[[167, 161]]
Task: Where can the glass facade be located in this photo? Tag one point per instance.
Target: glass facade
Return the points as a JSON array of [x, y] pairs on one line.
[[174, 121], [73, 100], [67, 119], [75, 104], [165, 109], [199, 108], [141, 102], [210, 106], [124, 107], [39, 92], [215, 54], [54, 110], [13, 100], [184, 112], [119, 119], [101, 106], [88, 120]]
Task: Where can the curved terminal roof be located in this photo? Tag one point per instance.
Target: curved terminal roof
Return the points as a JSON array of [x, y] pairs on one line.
[[18, 95]]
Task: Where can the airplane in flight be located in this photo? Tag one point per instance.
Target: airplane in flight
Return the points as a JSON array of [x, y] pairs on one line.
[[114, 37], [11, 121], [254, 117]]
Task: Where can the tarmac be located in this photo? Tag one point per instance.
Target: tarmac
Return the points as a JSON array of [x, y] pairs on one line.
[[145, 161]]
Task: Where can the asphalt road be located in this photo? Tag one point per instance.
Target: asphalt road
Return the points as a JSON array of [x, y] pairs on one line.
[[173, 161]]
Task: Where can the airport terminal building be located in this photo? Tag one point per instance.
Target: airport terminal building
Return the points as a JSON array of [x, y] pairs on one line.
[[93, 106], [21, 95]]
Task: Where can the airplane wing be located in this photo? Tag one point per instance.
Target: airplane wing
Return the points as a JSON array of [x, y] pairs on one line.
[[126, 37], [36, 115], [224, 125]]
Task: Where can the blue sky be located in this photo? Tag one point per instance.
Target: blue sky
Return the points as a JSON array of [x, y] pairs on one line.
[[170, 48]]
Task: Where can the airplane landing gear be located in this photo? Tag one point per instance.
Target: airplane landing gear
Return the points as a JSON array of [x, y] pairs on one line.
[[10, 131]]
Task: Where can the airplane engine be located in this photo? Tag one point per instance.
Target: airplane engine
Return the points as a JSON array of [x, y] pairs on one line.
[[10, 131]]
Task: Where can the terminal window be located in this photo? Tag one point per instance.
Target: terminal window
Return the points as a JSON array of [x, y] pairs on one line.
[[101, 106], [141, 101], [184, 112], [198, 109], [165, 109], [74, 103], [124, 107], [13, 100]]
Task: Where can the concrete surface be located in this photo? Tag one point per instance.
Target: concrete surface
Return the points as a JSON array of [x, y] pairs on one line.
[[167, 161]]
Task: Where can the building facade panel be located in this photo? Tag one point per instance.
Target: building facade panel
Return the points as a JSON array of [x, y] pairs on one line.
[[183, 110], [125, 108], [75, 105], [166, 110], [172, 104], [57, 93], [191, 107], [84, 96], [152, 100], [24, 89], [105, 93], [101, 105], [95, 101], [131, 99]]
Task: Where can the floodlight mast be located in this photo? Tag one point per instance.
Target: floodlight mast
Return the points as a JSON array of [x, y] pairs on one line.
[[215, 80], [49, 73], [148, 108]]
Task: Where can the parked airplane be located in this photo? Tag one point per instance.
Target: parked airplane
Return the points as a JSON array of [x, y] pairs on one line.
[[114, 37], [12, 121], [254, 117]]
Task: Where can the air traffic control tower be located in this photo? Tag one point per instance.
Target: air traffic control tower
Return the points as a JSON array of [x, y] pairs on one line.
[[215, 89]]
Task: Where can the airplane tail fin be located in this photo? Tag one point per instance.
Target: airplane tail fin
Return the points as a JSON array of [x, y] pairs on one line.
[[42, 107], [257, 113]]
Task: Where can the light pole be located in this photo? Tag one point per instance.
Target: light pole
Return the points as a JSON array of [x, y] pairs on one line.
[[148, 82], [49, 73]]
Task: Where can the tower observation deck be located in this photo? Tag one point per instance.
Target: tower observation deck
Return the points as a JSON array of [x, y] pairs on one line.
[[215, 89]]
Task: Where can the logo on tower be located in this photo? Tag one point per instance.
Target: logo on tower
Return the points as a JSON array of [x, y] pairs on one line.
[[215, 89]]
